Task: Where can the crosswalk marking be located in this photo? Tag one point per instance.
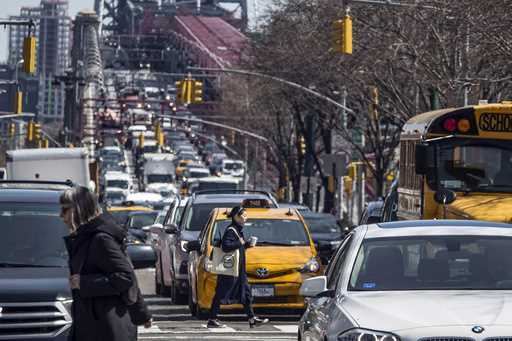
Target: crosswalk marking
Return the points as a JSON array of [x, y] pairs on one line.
[[293, 328], [225, 329], [153, 330]]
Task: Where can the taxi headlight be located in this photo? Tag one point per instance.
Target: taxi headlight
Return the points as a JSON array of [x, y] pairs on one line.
[[359, 334], [182, 245], [311, 266]]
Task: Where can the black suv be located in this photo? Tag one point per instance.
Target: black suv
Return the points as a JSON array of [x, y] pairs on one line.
[[194, 217], [35, 299]]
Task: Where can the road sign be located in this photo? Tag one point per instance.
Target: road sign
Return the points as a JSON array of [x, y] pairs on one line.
[[334, 164]]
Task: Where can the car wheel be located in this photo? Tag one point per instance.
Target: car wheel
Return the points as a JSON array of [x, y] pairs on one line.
[[176, 296]]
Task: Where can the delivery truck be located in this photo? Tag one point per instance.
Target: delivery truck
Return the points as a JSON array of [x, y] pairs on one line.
[[50, 164]]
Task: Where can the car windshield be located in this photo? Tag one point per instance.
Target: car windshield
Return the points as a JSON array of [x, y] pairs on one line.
[[138, 221], [322, 225], [117, 184], [32, 235], [159, 178], [433, 263], [193, 174], [475, 166], [198, 215], [114, 195], [270, 232], [150, 149]]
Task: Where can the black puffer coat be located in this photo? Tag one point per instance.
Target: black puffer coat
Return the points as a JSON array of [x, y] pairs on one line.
[[99, 313], [231, 289]]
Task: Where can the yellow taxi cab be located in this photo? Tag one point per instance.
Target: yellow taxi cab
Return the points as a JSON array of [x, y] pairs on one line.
[[282, 259], [121, 213], [182, 165]]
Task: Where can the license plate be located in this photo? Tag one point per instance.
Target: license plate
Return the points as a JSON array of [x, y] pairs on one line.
[[262, 290]]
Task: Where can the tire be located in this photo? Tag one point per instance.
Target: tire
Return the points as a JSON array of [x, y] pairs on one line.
[[176, 296]]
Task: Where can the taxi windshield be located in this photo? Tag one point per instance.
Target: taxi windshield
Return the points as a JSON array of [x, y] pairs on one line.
[[281, 232], [138, 221], [475, 166], [32, 235], [433, 263]]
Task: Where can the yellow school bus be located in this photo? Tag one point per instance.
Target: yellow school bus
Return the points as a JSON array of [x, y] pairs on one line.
[[457, 164]]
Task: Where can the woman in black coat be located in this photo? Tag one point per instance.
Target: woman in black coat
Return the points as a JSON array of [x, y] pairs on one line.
[[230, 289], [101, 274]]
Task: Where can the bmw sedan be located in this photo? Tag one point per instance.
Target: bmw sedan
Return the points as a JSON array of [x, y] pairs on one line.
[[414, 280]]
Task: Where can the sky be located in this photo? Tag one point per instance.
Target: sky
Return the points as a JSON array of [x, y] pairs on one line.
[[12, 7]]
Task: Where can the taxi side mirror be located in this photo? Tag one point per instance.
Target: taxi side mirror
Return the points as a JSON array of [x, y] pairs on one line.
[[193, 245]]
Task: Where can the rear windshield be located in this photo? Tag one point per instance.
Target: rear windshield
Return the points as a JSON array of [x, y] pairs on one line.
[[32, 235], [117, 184], [198, 215], [138, 221], [434, 263], [322, 225], [206, 186], [269, 232]]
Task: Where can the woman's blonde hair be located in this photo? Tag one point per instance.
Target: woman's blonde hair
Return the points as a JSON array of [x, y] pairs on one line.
[[83, 204]]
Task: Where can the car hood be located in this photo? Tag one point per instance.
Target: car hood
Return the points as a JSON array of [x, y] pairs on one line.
[[277, 258], [34, 284], [496, 207], [400, 310]]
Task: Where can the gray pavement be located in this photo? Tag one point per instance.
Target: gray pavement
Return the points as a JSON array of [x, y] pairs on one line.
[[174, 322]]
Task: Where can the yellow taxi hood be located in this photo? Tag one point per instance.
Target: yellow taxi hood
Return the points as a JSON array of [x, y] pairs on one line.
[[277, 257], [495, 207]]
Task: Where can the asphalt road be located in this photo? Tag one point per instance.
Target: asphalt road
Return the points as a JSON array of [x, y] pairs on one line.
[[174, 322]]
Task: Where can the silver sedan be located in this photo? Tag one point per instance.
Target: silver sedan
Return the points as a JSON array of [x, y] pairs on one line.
[[415, 280]]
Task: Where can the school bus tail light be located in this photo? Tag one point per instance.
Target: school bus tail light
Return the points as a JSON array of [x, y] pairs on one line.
[[463, 125], [450, 125]]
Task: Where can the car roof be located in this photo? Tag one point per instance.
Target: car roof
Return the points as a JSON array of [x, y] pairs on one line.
[[30, 195], [227, 197], [408, 228], [261, 213]]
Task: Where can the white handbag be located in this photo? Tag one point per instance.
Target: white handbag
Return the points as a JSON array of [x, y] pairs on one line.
[[225, 263]]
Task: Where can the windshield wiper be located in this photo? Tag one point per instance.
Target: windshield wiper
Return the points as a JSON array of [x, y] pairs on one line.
[[24, 265], [273, 243]]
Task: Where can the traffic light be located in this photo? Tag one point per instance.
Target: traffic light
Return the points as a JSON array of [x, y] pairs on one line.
[[12, 129], [29, 55], [45, 143], [197, 95], [30, 131], [342, 33], [37, 132], [232, 137], [141, 140], [302, 146], [18, 102]]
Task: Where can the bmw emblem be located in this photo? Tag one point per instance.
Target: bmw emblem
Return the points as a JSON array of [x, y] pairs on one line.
[[477, 329], [262, 272]]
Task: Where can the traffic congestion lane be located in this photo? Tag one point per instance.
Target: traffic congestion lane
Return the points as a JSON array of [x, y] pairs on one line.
[[174, 322]]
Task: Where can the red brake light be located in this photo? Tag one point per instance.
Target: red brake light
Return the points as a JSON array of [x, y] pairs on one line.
[[450, 124]]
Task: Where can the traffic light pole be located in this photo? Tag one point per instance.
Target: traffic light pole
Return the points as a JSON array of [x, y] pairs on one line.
[[279, 80]]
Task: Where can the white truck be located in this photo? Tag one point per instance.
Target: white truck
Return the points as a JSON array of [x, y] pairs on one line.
[[51, 164], [159, 169]]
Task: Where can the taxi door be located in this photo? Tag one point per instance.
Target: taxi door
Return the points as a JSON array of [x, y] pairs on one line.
[[196, 260]]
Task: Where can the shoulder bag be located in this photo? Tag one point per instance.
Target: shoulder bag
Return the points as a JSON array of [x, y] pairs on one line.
[[225, 263]]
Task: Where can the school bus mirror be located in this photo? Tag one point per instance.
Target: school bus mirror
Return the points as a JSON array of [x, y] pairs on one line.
[[422, 158]]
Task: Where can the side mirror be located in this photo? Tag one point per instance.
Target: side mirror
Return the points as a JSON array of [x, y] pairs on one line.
[[445, 196], [193, 245], [171, 228], [156, 228], [422, 158], [313, 286]]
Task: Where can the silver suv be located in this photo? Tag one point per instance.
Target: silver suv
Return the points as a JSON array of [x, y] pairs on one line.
[[414, 280]]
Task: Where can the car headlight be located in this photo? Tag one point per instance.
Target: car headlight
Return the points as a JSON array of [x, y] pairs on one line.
[[311, 266], [359, 334], [182, 245]]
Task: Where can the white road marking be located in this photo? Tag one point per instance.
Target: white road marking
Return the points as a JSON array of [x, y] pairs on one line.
[[287, 328], [153, 330], [220, 330]]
